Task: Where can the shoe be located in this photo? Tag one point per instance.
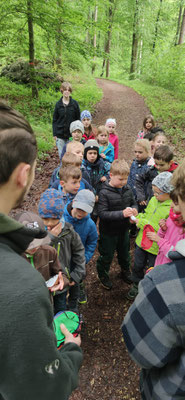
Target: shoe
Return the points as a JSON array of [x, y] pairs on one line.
[[106, 282], [126, 276], [82, 299], [132, 292]]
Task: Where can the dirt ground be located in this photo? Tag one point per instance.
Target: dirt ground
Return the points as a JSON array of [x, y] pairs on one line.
[[107, 372]]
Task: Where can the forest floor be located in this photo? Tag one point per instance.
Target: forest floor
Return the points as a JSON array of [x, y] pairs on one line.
[[107, 372]]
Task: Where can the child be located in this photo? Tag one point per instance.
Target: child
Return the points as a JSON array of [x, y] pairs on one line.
[[66, 111], [76, 148], [106, 149], [86, 118], [42, 256], [68, 245], [171, 231], [113, 138], [158, 140], [116, 204], [77, 214], [70, 183], [140, 164], [76, 131], [163, 162], [147, 222], [148, 124]]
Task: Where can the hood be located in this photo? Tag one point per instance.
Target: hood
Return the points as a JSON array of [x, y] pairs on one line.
[[179, 251], [16, 235], [70, 218]]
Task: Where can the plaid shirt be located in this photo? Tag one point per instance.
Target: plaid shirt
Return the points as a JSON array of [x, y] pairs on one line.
[[154, 330]]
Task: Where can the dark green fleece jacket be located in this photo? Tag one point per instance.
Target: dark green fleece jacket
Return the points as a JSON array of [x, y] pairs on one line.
[[31, 366]]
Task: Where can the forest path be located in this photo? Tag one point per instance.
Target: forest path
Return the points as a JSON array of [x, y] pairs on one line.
[[127, 107]]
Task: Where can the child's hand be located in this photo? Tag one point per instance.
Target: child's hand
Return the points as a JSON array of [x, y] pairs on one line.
[[103, 155], [135, 212], [69, 338], [57, 229], [162, 224], [103, 179], [127, 212], [59, 284], [153, 236], [96, 199], [72, 283], [142, 203]]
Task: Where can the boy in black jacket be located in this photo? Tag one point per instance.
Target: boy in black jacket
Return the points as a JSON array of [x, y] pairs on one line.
[[116, 204]]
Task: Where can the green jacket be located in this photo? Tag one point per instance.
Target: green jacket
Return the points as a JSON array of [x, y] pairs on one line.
[[154, 212], [31, 366]]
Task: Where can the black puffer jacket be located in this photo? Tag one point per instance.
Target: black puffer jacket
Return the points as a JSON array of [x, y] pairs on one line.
[[63, 116], [143, 184], [111, 203]]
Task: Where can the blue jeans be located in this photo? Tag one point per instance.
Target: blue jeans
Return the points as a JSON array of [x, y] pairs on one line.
[[60, 144]]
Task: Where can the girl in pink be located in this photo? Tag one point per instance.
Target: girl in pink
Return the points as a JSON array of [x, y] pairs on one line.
[[171, 231], [113, 138], [148, 124]]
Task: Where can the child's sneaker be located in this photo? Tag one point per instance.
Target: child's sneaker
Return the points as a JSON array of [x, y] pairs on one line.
[[82, 299], [132, 292], [106, 282]]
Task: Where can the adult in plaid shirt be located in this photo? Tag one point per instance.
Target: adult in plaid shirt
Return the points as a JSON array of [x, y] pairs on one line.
[[154, 327]]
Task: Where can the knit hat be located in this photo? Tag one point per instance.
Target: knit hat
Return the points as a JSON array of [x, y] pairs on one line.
[[76, 125], [110, 121], [91, 144], [33, 221], [162, 181], [84, 200], [51, 205], [85, 114]]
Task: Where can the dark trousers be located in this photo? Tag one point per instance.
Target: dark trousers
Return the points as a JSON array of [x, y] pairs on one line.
[[142, 259], [107, 245], [61, 300]]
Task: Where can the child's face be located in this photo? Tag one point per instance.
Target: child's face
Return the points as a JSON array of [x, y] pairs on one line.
[[162, 166], [79, 153], [79, 214], [159, 195], [71, 186], [182, 207], [92, 156], [77, 135], [140, 153], [160, 140], [50, 223], [111, 128], [103, 138], [148, 124], [118, 181], [176, 208], [86, 122]]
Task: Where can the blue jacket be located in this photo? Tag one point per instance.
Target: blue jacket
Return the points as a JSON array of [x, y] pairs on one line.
[[96, 171], [86, 229], [136, 169], [108, 151]]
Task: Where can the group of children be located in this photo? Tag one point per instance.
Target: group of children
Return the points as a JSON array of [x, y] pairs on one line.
[[91, 182]]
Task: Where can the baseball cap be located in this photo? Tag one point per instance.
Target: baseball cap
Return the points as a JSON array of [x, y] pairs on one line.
[[33, 221], [84, 200]]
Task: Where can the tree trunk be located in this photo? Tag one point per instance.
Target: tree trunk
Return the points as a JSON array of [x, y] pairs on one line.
[[58, 58], [156, 26], [133, 66], [94, 38], [109, 38], [182, 31], [33, 81], [178, 24]]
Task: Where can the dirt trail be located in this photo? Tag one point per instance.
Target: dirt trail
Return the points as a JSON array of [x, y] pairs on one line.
[[107, 372]]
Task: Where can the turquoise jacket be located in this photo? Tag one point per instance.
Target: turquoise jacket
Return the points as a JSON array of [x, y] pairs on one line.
[[108, 151], [154, 212]]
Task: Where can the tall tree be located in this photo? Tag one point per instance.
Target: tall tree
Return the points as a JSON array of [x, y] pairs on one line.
[[133, 65], [178, 23], [33, 81], [182, 31], [156, 25]]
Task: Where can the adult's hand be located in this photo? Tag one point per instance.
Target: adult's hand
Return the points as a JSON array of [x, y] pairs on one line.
[[69, 338]]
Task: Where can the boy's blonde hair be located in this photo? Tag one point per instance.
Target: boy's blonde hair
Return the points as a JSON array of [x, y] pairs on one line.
[[66, 173], [144, 143], [70, 159], [102, 129], [119, 167], [73, 145], [65, 85], [178, 181]]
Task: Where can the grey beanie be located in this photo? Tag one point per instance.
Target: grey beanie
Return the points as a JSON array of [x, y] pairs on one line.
[[76, 125], [84, 200], [162, 181]]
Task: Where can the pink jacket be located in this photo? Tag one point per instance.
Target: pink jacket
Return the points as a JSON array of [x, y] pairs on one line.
[[115, 142], [168, 239]]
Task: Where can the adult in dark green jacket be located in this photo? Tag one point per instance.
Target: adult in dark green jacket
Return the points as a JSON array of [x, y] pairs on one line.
[[31, 366]]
